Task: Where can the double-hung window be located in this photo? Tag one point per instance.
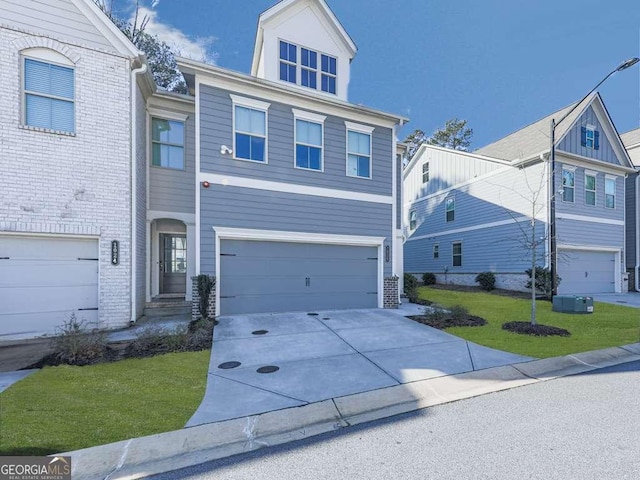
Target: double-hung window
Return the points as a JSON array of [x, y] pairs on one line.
[[456, 254], [288, 62], [309, 140], [167, 141], [425, 172], [358, 150], [412, 220], [610, 192], [568, 184], [590, 137], [249, 129], [450, 209], [49, 96], [329, 74], [590, 189], [436, 251], [309, 68]]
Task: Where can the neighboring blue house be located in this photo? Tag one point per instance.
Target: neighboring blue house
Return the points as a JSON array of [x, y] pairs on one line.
[[297, 191], [465, 213], [631, 142]]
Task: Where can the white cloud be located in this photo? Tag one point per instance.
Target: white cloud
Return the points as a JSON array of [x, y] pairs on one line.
[[196, 48]]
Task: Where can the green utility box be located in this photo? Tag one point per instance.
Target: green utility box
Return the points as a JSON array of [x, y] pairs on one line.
[[572, 304]]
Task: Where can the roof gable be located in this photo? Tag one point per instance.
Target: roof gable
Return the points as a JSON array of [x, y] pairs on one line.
[[631, 139]]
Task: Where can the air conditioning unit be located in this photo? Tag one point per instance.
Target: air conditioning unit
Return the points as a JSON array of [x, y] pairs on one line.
[[572, 304]]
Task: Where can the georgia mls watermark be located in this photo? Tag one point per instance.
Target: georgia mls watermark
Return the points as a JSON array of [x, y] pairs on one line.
[[35, 468]]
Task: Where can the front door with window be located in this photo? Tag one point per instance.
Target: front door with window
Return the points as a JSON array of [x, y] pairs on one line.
[[173, 263]]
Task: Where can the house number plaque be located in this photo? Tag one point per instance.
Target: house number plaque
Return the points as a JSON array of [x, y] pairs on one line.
[[115, 252]]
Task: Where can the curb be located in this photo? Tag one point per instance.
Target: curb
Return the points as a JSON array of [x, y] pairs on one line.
[[144, 456]]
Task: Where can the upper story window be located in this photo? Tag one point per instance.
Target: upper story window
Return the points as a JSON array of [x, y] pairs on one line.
[[412, 220], [610, 192], [436, 251], [568, 185], [309, 140], [167, 141], [329, 73], [450, 209], [590, 137], [358, 150], [425, 172], [590, 189], [49, 95], [456, 254], [249, 129], [299, 65]]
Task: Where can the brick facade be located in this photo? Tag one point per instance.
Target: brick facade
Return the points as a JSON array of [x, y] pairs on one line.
[[72, 184], [195, 302], [391, 298]]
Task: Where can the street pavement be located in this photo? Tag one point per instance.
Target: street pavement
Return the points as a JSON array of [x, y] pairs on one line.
[[583, 427]]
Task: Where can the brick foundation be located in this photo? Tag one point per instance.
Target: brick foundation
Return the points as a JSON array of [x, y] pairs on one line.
[[195, 302], [391, 298]]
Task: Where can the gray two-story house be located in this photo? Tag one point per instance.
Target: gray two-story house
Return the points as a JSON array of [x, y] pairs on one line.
[[273, 182]]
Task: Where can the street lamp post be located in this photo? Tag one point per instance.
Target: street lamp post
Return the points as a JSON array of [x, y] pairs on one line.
[[552, 210]]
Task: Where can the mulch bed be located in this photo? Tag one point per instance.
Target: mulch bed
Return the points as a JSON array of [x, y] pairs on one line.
[[525, 328], [447, 321]]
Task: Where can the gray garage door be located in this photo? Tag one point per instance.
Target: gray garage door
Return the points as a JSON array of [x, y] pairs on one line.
[[583, 272], [261, 277], [45, 279]]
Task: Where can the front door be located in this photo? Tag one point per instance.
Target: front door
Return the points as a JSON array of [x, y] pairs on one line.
[[173, 263]]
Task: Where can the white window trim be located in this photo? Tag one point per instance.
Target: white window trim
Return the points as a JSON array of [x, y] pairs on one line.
[[436, 251], [413, 214], [289, 62], [426, 169], [614, 179], [447, 211], [151, 141], [330, 75], [589, 173], [299, 67], [167, 114], [571, 169], [592, 129], [461, 254], [54, 58], [238, 101], [367, 130], [312, 118]]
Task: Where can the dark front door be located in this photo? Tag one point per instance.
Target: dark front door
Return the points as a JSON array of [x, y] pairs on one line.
[[173, 263]]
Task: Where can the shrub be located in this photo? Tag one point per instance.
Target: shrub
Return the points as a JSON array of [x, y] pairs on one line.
[[76, 344], [411, 287], [157, 340], [435, 313], [487, 280], [429, 278], [543, 280], [205, 285], [458, 312]]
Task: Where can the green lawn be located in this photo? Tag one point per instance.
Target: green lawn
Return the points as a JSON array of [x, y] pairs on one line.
[[66, 408], [608, 326]]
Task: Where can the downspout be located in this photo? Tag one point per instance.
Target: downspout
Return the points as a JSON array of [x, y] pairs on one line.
[[134, 183], [636, 268]]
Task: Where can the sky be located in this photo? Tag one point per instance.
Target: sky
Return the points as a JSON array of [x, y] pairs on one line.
[[499, 64]]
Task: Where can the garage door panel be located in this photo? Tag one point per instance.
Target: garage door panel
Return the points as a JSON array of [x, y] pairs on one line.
[[34, 248], [258, 276], [584, 272], [37, 323], [21, 273], [38, 299]]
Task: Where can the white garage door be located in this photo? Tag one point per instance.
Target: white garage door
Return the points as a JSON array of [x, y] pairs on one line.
[[43, 280], [259, 277], [583, 272]]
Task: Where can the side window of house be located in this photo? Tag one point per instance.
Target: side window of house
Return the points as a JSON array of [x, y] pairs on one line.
[[358, 150], [299, 65], [590, 189], [288, 62], [436, 250], [309, 140], [450, 209], [167, 139], [49, 96], [329, 74], [425, 172], [610, 192], [412, 220], [456, 249], [590, 137], [568, 185], [249, 129]]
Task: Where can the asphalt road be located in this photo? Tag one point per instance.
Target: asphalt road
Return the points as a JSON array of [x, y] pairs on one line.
[[580, 427]]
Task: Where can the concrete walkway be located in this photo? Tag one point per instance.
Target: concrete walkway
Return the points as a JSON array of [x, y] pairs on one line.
[[328, 355]]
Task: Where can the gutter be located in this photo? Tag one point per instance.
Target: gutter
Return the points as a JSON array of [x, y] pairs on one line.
[[134, 180]]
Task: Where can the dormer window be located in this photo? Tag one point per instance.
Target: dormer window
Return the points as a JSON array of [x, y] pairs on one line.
[[299, 65], [590, 137]]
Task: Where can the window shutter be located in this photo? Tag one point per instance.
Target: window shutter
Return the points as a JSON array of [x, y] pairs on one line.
[[583, 136], [596, 140]]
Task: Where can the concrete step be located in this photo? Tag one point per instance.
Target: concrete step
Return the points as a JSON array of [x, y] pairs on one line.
[[167, 308]]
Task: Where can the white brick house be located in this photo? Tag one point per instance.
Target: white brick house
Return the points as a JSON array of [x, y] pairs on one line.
[[73, 93]]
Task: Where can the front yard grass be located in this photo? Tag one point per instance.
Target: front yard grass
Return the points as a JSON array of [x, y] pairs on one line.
[[65, 408], [609, 325]]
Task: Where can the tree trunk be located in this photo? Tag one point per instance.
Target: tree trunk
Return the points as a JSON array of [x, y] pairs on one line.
[[533, 266]]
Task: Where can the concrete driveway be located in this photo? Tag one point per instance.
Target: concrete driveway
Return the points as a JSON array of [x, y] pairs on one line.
[[327, 354], [630, 299]]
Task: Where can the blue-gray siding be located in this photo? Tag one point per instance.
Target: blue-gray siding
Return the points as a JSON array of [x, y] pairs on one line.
[[398, 192], [258, 209], [174, 190], [631, 207], [217, 130], [572, 141]]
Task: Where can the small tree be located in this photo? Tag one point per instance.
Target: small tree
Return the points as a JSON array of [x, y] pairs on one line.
[[542, 278], [413, 141]]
